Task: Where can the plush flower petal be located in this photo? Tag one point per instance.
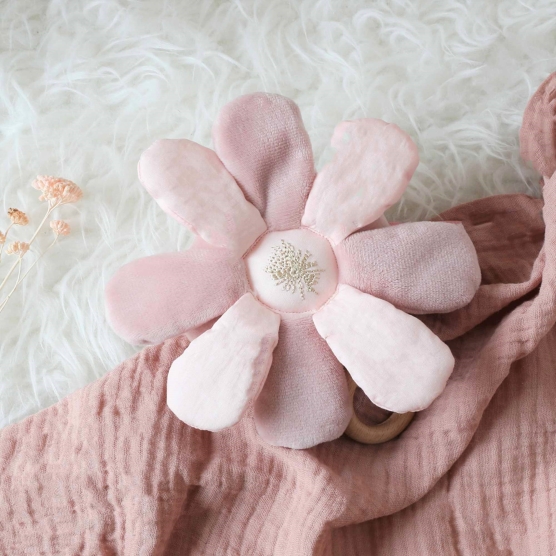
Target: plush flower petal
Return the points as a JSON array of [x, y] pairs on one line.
[[369, 173], [305, 399], [159, 297], [422, 267], [190, 183], [193, 333], [211, 383], [263, 143], [393, 357]]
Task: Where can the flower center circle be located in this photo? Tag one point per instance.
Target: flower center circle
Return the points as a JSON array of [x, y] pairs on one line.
[[293, 271]]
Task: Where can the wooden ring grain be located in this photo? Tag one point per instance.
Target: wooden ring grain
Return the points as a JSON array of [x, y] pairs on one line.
[[375, 434]]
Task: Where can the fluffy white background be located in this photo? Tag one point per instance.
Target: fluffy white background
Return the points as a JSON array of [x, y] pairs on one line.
[[86, 86]]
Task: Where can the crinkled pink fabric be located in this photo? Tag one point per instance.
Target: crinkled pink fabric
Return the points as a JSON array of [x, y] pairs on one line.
[[538, 131], [110, 470]]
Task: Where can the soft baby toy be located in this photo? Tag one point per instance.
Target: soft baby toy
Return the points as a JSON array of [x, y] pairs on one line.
[[293, 276]]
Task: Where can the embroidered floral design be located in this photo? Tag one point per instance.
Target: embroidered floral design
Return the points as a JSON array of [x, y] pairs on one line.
[[293, 270]]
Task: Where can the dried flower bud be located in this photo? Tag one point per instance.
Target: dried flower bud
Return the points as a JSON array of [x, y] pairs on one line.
[[18, 217], [17, 248], [58, 190], [60, 228], [2, 238]]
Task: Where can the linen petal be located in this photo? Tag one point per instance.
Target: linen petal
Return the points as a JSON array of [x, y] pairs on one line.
[[211, 384], [392, 356], [190, 183], [373, 164]]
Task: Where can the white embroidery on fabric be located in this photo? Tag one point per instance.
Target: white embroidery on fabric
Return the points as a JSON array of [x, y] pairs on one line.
[[293, 270]]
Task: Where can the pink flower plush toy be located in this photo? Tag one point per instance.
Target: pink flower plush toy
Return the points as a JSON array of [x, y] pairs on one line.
[[293, 276]]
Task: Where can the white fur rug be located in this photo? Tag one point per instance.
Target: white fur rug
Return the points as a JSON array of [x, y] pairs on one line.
[[87, 85]]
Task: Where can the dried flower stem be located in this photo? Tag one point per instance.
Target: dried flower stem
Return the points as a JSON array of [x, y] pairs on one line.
[[18, 280], [38, 259], [5, 239], [10, 272], [51, 206], [56, 191], [21, 278]]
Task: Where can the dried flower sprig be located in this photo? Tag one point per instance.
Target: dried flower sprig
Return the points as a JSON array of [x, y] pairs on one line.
[[17, 248], [17, 218], [60, 228], [57, 192]]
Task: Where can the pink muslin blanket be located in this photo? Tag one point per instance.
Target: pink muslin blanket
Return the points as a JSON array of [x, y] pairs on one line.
[[110, 470]]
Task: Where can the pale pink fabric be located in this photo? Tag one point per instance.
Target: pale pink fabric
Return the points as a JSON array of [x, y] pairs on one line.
[[110, 470], [305, 400], [416, 266], [212, 382], [392, 356], [369, 173], [190, 183], [154, 298], [263, 143]]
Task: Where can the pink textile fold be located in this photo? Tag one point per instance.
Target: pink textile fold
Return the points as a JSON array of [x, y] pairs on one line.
[[110, 470], [538, 132]]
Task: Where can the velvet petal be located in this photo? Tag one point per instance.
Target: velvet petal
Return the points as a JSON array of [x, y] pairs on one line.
[[222, 370], [190, 183], [392, 356], [369, 173], [305, 399], [158, 297], [263, 143], [422, 267]]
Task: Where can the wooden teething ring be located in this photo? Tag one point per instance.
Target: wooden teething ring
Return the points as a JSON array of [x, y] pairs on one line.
[[375, 434]]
